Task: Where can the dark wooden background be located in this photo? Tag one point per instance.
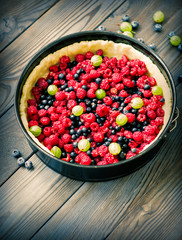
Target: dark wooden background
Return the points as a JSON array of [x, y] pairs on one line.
[[42, 204]]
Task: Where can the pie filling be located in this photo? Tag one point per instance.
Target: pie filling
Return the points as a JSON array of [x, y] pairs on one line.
[[95, 103]]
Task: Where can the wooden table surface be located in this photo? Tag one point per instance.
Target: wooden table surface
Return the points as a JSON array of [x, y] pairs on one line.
[[42, 204]]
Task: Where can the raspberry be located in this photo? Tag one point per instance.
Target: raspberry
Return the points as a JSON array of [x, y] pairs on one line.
[[64, 59], [141, 117], [85, 160], [130, 154], [94, 85], [128, 134], [54, 117], [42, 113], [160, 112], [69, 76], [102, 150], [34, 117], [47, 131], [60, 96], [107, 73], [113, 91], [61, 129], [98, 137], [89, 55], [44, 121], [51, 110], [115, 105], [99, 52], [79, 57], [119, 86], [31, 110], [66, 138], [107, 100], [131, 117], [66, 122], [68, 147], [105, 84], [125, 71], [94, 126], [151, 114], [123, 93], [53, 140], [31, 102], [95, 152], [94, 74], [101, 163], [159, 121], [150, 130], [102, 110], [137, 136], [90, 118], [53, 69], [91, 93], [80, 93], [33, 123], [41, 137], [109, 158], [42, 83], [128, 83], [71, 104], [152, 81]]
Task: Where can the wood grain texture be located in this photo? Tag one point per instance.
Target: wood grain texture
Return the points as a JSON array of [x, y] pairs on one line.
[[11, 137], [30, 197], [100, 207], [17, 16], [64, 18]]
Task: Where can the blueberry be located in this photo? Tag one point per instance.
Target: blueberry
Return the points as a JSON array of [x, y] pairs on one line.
[[118, 128], [158, 27], [84, 129], [98, 80], [46, 107], [134, 111], [171, 34], [101, 28], [72, 117], [134, 130], [163, 99], [120, 139], [125, 18], [75, 144], [50, 81], [94, 100], [146, 87], [79, 131], [107, 143], [44, 102], [87, 102], [84, 87], [93, 106], [89, 152], [122, 155], [116, 98], [102, 119], [125, 146], [21, 161], [72, 131], [50, 102], [28, 164], [40, 106], [140, 40], [76, 76], [67, 90], [152, 46], [80, 123], [16, 153], [73, 154], [61, 76], [120, 109], [63, 155], [89, 139], [114, 109], [72, 161], [125, 111], [88, 109], [133, 150], [42, 97], [109, 140], [70, 89], [80, 71], [113, 132], [134, 24], [180, 47], [122, 104], [99, 144], [64, 86], [98, 120]]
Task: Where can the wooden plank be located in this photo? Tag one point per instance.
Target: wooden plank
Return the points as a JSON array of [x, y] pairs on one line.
[[30, 197], [11, 137], [17, 16], [83, 15], [100, 207]]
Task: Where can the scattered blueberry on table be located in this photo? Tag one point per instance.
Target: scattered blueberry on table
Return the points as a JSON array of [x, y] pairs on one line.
[[125, 18], [158, 27], [16, 153], [21, 161], [134, 24], [28, 164], [152, 46]]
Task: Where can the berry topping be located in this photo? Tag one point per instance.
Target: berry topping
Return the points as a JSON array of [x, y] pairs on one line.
[[96, 110]]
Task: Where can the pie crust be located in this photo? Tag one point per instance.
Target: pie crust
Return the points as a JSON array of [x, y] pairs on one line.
[[110, 49]]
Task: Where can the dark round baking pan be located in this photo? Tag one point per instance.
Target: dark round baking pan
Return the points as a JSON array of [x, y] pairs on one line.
[[111, 171]]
